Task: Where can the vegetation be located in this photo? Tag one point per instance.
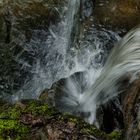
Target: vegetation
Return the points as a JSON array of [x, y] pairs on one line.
[[29, 117]]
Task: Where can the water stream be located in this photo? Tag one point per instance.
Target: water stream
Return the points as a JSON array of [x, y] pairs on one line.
[[57, 57], [122, 63], [53, 60], [90, 80]]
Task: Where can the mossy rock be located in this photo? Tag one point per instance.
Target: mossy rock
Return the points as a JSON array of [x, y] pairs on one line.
[[32, 119]]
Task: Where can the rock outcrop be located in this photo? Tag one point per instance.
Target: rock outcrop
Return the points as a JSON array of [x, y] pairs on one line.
[[117, 13], [131, 111]]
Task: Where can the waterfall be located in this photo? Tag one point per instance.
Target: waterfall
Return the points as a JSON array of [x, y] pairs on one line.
[[57, 57], [52, 62], [124, 60], [82, 94]]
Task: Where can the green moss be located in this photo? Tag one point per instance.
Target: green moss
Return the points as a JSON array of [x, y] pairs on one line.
[[11, 113], [32, 107], [71, 118], [38, 108], [84, 127], [90, 129], [12, 129], [115, 135], [11, 117]]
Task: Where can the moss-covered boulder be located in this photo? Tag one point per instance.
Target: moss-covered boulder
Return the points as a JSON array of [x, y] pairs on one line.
[[30, 119]]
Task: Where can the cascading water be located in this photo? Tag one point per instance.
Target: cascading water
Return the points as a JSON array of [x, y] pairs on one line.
[[53, 61], [123, 62], [58, 58], [92, 56]]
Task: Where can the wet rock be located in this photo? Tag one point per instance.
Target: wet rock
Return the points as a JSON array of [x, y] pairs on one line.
[[131, 110], [117, 14], [86, 8], [48, 96], [23, 24], [62, 89], [109, 116], [28, 15]]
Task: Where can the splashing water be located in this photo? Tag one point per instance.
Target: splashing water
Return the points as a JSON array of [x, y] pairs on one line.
[[57, 58], [52, 59], [124, 61], [97, 83]]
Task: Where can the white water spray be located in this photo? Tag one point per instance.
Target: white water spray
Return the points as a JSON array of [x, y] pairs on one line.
[[124, 60], [58, 58], [52, 63]]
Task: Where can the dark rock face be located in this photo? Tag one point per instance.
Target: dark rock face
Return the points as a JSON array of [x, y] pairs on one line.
[[29, 15], [21, 22], [117, 13], [131, 111], [110, 116]]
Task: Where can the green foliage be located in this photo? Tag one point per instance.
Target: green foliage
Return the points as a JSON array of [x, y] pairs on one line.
[[15, 124], [115, 135], [12, 129], [11, 112], [38, 108]]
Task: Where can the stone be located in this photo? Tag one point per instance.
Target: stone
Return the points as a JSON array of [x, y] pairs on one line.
[[39, 121], [131, 109], [117, 14]]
